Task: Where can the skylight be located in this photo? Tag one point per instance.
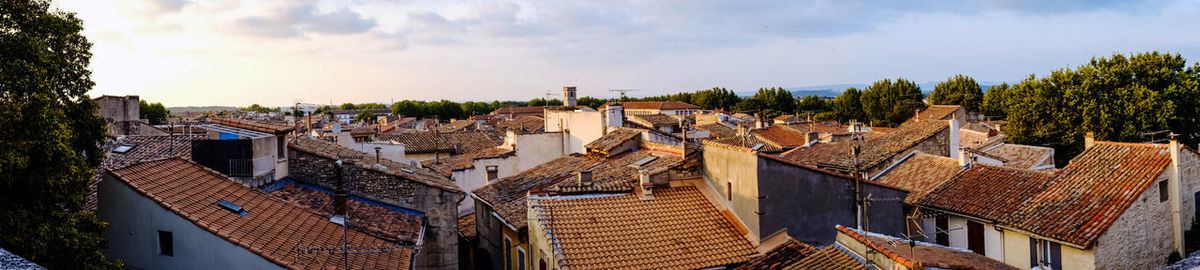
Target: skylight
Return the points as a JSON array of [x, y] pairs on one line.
[[124, 148], [644, 161], [757, 146], [233, 207]]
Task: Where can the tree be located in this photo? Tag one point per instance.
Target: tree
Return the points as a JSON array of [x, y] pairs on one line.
[[750, 106], [258, 108], [776, 99], [155, 113], [347, 106], [813, 103], [889, 103], [590, 102], [365, 117], [848, 106], [715, 98], [544, 102], [994, 100], [958, 90], [51, 139]]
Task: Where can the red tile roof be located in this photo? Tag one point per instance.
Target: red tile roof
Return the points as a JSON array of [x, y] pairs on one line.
[[1023, 156], [929, 255], [447, 166], [260, 126], [654, 119], [652, 105], [466, 225], [718, 130], [612, 139], [678, 229], [828, 258], [519, 111], [938, 112], [456, 142], [334, 151], [523, 124], [785, 254], [875, 149], [781, 136], [985, 191], [145, 148], [1087, 196], [271, 229], [365, 217], [819, 127], [921, 173]]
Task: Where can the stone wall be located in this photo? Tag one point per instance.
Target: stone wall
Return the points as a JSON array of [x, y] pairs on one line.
[[1141, 238], [440, 247]]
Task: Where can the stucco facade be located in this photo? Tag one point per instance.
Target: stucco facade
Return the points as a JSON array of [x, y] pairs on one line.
[[578, 128]]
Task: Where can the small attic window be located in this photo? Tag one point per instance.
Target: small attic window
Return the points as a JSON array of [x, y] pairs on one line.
[[644, 161], [232, 207], [124, 148]]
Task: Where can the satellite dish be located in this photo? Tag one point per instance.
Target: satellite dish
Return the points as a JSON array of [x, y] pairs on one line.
[[337, 128]]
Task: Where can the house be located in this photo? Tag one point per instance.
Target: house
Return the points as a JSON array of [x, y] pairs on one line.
[[778, 252], [879, 151], [123, 115], [519, 152], [252, 152], [128, 150], [760, 189], [394, 224], [172, 213], [424, 146], [655, 107], [580, 127], [523, 124], [889, 252], [389, 183], [672, 225], [1021, 156], [661, 122], [1115, 206], [514, 111], [500, 210], [717, 130], [347, 116], [722, 117]]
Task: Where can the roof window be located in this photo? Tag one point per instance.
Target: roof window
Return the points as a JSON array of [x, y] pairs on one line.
[[232, 207], [124, 148]]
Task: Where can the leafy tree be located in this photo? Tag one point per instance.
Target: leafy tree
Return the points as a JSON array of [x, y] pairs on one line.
[[589, 101], [370, 106], [348, 106], [776, 99], [750, 106], [994, 100], [890, 103], [958, 90], [813, 103], [259, 109], [544, 102], [155, 113], [365, 117], [476, 108], [1118, 98], [51, 139], [848, 106], [715, 98]]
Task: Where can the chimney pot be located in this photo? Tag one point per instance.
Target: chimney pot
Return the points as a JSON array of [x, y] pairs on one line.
[[647, 186], [1089, 140], [585, 178], [377, 151]]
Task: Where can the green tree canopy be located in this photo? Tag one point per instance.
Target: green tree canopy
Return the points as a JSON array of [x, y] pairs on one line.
[[590, 102], [813, 103], [848, 106], [155, 113], [994, 100], [365, 117], [958, 90], [889, 103], [51, 139], [544, 102], [776, 99], [715, 98]]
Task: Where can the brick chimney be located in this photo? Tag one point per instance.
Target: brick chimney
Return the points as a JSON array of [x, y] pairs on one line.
[[811, 138], [585, 178], [646, 186], [1089, 140], [742, 129]]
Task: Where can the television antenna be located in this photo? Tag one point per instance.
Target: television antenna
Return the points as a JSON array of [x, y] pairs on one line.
[[623, 91]]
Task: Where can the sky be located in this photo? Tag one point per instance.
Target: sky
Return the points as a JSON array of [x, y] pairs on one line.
[[279, 52]]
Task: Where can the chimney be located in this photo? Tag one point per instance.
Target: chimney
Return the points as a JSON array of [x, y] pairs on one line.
[[964, 158], [954, 144], [510, 139], [584, 178], [1089, 140], [812, 138], [742, 129], [758, 122], [339, 193], [917, 115], [1173, 188], [646, 185], [377, 150]]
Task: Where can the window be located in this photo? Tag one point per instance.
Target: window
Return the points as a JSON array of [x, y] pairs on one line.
[[1044, 253], [507, 254], [520, 259], [493, 172], [542, 264], [280, 147], [1162, 191], [166, 245]]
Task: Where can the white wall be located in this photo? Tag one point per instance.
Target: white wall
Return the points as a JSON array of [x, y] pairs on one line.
[[958, 232], [535, 149], [993, 240], [473, 178], [132, 234], [583, 127]]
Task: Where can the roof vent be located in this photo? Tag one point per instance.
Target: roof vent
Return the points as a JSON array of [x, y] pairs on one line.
[[233, 207], [124, 148], [644, 161], [408, 171]]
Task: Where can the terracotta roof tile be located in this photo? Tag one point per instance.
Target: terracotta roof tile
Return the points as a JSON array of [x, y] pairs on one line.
[[334, 152], [747, 142], [828, 127], [678, 229], [1022, 156], [270, 229], [457, 142], [785, 254], [921, 173], [718, 130], [781, 136], [985, 191], [654, 119], [828, 258], [875, 149], [457, 126], [523, 124], [520, 111], [466, 225], [931, 256], [276, 128], [145, 148], [387, 224], [971, 138], [937, 112], [651, 105], [614, 138], [1087, 196], [447, 166]]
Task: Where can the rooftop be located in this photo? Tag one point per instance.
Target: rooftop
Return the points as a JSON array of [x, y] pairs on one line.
[[136, 149], [334, 151], [655, 119], [388, 223], [829, 258], [275, 128], [271, 228], [788, 253], [13, 262], [921, 173], [466, 225], [718, 130], [1022, 156], [930, 256], [985, 191], [514, 110], [781, 136], [747, 142], [612, 139], [875, 149], [456, 142], [523, 124], [447, 166], [937, 112], [625, 232]]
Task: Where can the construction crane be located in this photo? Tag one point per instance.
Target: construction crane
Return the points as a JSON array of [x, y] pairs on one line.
[[622, 91]]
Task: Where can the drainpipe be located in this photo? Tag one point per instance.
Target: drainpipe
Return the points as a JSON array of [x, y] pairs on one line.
[[1173, 186]]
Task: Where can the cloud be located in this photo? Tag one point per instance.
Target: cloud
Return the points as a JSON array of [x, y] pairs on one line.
[[296, 18]]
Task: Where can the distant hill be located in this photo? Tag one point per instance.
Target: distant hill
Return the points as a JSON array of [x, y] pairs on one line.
[[178, 110]]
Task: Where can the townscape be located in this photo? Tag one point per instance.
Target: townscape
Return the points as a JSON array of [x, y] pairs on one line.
[[1093, 166]]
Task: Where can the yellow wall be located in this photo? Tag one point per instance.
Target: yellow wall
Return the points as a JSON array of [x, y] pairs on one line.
[[540, 244], [518, 242], [1016, 249], [1073, 258]]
